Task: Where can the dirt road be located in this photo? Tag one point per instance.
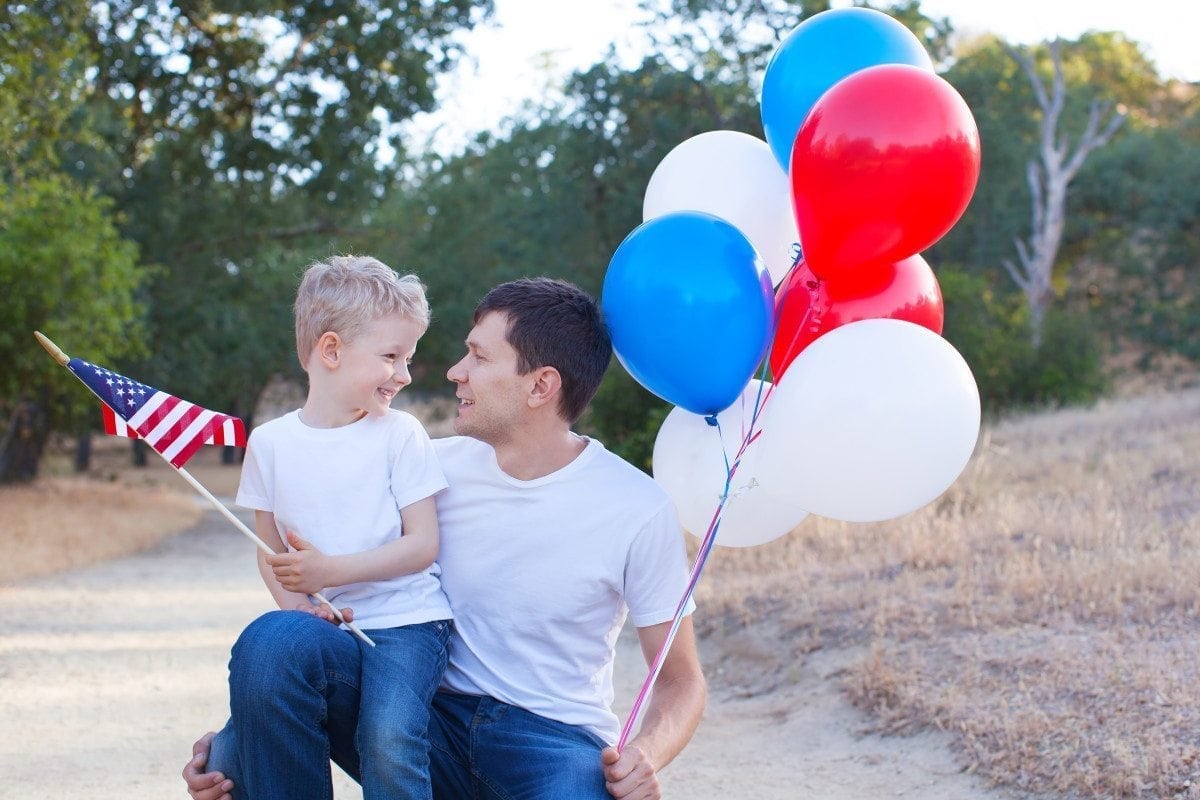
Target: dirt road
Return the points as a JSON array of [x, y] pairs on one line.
[[108, 674]]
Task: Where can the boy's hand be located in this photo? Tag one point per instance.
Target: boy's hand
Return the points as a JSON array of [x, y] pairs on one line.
[[304, 571], [325, 612]]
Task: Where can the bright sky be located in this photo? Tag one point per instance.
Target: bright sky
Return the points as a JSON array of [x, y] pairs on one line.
[[532, 43]]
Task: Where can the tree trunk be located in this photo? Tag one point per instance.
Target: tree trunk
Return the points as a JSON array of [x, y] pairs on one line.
[[83, 452], [23, 442], [1049, 176], [138, 450]]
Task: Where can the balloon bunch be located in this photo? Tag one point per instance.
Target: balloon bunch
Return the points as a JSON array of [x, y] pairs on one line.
[[869, 159]]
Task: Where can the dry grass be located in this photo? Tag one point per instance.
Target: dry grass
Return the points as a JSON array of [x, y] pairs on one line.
[[64, 520], [1044, 610]]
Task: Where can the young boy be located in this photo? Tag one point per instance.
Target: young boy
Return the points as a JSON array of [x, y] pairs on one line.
[[348, 482]]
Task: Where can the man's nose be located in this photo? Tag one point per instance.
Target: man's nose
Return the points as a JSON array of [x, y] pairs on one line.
[[456, 374]]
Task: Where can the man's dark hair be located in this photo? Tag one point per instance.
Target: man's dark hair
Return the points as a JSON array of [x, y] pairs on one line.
[[553, 323]]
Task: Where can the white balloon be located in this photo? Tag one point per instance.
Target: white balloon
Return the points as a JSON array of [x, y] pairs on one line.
[[734, 176], [871, 421], [689, 462]]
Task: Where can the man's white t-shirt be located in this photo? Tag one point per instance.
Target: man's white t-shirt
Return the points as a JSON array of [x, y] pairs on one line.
[[342, 489], [542, 573]]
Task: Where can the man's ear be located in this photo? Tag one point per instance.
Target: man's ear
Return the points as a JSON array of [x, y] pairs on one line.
[[329, 349], [547, 384]]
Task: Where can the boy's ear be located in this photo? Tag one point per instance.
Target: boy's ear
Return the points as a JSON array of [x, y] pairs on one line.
[[329, 349]]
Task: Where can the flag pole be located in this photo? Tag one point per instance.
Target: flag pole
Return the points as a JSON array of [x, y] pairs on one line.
[[61, 357]]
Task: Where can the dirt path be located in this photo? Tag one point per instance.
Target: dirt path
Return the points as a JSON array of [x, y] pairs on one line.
[[108, 674]]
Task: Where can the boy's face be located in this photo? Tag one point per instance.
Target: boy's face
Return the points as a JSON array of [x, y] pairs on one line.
[[374, 365], [491, 393]]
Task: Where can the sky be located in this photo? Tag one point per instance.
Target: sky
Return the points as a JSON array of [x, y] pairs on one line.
[[531, 44]]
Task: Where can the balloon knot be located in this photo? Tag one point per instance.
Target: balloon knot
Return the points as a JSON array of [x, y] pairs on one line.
[[711, 419]]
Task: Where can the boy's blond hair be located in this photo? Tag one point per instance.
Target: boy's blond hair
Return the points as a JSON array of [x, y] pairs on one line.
[[345, 294]]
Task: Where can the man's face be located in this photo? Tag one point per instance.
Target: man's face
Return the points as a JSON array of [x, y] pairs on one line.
[[492, 395]]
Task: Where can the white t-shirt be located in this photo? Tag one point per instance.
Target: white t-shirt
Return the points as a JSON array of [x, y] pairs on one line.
[[542, 573], [342, 489]]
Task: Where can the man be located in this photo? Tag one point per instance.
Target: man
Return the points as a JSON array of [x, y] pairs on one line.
[[547, 541]]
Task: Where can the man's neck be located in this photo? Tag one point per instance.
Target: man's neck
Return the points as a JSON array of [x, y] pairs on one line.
[[531, 457]]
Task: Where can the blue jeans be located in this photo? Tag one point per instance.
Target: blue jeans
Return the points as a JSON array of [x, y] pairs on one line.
[[291, 675], [304, 711], [484, 749]]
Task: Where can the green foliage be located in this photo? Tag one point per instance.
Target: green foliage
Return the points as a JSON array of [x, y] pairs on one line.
[[991, 331], [64, 267], [1138, 209], [1098, 66], [273, 90], [555, 197], [240, 145], [41, 82], [626, 417], [66, 271]]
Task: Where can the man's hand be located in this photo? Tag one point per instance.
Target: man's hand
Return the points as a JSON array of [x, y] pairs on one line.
[[629, 775], [205, 785], [304, 570]]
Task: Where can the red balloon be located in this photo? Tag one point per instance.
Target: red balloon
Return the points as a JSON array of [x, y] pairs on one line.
[[807, 307], [883, 166]]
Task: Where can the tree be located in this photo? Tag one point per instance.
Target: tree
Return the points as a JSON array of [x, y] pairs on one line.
[[1140, 198], [242, 141], [64, 267], [732, 41], [1048, 177]]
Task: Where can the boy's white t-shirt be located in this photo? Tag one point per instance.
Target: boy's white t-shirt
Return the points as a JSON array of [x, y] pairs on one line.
[[542, 573], [342, 489]]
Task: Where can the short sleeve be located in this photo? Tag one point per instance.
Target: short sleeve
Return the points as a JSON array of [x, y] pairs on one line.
[[252, 487], [656, 572], [416, 471]]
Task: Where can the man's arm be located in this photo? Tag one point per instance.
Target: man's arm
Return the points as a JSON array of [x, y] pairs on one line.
[[674, 712]]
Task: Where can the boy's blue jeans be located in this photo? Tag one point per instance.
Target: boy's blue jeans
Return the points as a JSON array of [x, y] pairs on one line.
[[279, 694], [295, 694]]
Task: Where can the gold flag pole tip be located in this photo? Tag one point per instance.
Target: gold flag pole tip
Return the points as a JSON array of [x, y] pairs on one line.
[[51, 348]]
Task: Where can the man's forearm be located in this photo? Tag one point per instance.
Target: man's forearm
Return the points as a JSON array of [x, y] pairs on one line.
[[672, 717]]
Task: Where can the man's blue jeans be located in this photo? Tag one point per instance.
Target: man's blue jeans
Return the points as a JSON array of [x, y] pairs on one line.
[[273, 696], [295, 696]]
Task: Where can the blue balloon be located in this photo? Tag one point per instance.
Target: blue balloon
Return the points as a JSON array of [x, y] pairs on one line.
[[818, 53], [690, 308]]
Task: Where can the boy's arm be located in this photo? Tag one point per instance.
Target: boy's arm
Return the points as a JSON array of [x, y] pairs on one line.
[[309, 570], [264, 526]]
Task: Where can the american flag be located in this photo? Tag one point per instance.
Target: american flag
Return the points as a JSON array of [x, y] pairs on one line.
[[173, 427]]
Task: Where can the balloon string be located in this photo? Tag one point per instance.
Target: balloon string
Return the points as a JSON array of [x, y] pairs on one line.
[[749, 436]]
